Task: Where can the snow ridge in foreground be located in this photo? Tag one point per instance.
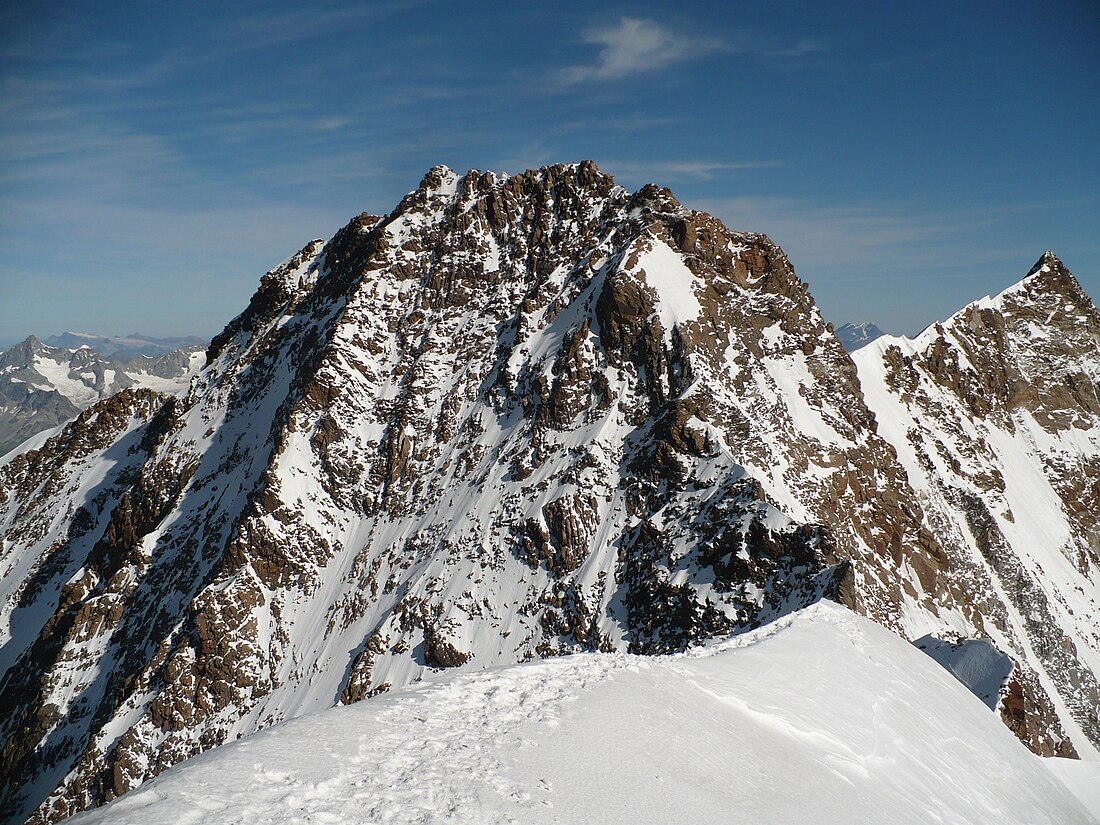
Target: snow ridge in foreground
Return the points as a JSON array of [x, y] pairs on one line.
[[821, 716]]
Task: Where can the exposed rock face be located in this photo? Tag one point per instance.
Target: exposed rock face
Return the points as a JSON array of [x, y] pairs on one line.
[[995, 416], [516, 417], [43, 386]]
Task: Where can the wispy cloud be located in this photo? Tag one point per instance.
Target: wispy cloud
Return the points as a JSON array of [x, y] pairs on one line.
[[662, 171], [635, 45], [833, 235], [268, 28]]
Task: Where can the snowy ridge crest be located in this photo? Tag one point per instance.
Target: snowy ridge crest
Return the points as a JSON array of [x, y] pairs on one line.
[[502, 745]]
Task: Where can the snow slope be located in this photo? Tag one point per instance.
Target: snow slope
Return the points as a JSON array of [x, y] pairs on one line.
[[822, 716]]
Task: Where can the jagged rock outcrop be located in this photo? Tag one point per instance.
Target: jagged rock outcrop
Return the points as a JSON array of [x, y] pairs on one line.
[[516, 417]]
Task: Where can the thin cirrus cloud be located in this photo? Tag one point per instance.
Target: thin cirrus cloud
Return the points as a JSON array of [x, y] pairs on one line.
[[633, 46], [835, 235], [657, 171], [636, 45]]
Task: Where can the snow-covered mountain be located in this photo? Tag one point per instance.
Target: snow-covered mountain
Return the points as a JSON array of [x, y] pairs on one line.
[[995, 416], [43, 386], [516, 417], [854, 336], [822, 717]]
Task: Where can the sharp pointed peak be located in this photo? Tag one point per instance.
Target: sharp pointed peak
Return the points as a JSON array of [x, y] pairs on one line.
[[1048, 260]]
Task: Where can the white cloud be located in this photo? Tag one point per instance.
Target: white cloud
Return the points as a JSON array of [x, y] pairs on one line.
[[666, 171], [637, 45], [634, 45]]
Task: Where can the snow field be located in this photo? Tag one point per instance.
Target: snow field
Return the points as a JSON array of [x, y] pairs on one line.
[[822, 716]]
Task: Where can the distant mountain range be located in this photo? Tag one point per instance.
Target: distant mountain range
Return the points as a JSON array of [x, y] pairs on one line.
[[520, 417], [123, 346], [42, 385]]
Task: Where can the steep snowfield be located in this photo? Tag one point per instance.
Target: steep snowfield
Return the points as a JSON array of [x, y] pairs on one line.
[[821, 717]]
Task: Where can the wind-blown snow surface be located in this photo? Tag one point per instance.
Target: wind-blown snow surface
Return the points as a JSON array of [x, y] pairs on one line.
[[822, 717]]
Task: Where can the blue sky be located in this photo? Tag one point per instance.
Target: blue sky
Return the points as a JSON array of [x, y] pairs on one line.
[[157, 158]]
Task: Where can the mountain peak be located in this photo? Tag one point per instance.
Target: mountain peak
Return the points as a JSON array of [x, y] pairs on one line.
[[855, 335], [518, 416], [1049, 277], [1047, 259], [438, 178]]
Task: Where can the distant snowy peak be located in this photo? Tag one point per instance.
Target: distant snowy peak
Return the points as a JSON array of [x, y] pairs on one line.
[[854, 336]]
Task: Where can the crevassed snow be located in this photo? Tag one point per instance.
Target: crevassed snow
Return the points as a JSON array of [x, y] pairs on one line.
[[821, 717], [57, 377]]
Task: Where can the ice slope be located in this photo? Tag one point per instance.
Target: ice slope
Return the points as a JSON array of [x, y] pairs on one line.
[[821, 717], [995, 417]]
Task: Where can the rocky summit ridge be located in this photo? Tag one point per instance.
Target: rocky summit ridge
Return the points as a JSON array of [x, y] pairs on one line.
[[518, 416], [995, 416]]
